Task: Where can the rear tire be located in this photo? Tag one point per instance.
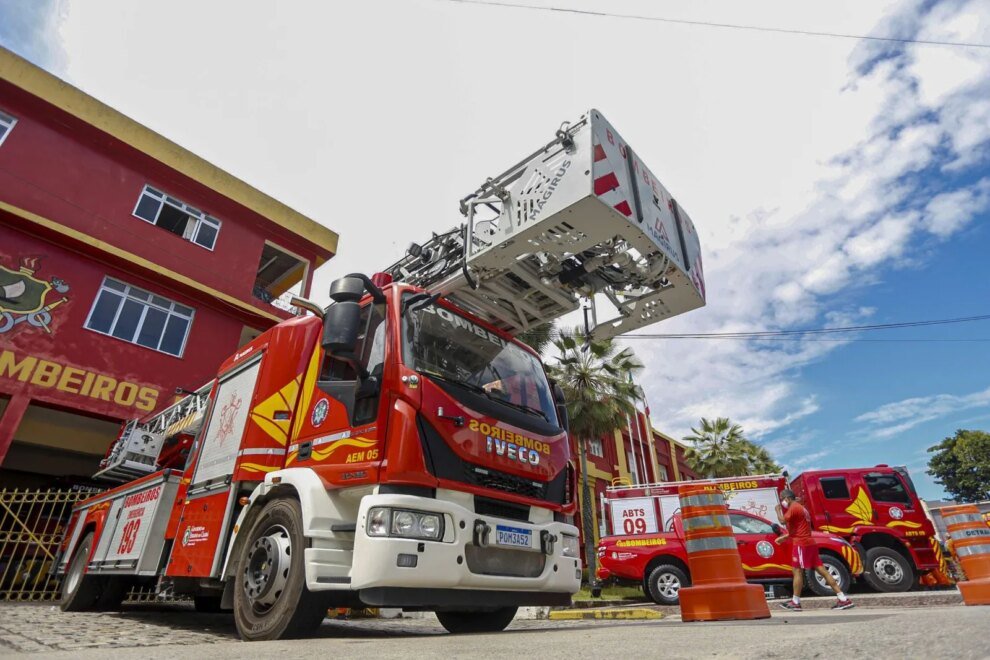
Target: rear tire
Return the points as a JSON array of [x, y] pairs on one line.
[[114, 591], [477, 622], [888, 570], [80, 591], [664, 584], [271, 600], [838, 570]]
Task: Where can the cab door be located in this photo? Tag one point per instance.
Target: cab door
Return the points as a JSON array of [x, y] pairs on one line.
[[761, 557], [840, 503]]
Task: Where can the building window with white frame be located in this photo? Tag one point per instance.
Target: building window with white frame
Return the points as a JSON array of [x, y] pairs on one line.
[[6, 125], [176, 216], [140, 317], [595, 447]]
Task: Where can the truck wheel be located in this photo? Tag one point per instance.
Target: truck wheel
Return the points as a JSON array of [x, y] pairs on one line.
[[887, 570], [114, 591], [80, 591], [477, 622], [271, 600], [837, 569], [665, 582]]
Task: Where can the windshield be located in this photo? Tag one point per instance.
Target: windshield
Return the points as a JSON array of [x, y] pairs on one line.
[[446, 345]]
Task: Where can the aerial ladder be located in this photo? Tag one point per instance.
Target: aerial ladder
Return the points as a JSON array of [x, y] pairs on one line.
[[580, 219]]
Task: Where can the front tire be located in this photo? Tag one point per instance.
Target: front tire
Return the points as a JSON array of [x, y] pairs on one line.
[[271, 600], [888, 570], [80, 591], [477, 622], [664, 584], [837, 569]]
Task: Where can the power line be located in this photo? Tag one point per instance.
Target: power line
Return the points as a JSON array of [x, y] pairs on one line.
[[815, 331], [921, 340], [734, 26]]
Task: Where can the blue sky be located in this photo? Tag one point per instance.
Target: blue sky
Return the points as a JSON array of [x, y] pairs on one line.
[[833, 182]]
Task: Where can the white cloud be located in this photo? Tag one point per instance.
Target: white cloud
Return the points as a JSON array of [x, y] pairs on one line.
[[894, 418], [805, 162]]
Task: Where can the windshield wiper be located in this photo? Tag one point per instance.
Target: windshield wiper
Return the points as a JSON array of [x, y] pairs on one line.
[[518, 406], [477, 389]]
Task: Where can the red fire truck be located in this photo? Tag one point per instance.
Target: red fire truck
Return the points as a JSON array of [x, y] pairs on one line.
[[876, 510], [399, 448]]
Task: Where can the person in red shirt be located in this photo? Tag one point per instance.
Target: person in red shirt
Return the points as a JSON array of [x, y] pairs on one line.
[[804, 551]]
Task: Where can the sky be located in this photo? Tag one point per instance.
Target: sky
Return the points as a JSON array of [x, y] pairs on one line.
[[833, 181]]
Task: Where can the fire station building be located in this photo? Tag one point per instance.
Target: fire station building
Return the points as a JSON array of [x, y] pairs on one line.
[[129, 269]]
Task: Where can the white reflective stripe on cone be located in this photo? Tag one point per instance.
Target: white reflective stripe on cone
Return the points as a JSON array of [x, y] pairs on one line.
[[702, 499], [706, 522], [713, 543], [958, 518], [967, 550]]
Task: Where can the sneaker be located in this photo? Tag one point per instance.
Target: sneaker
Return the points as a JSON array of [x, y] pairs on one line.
[[843, 604], [792, 606]]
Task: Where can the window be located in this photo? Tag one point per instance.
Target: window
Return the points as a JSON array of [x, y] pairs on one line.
[[6, 125], [278, 272], [177, 217], [595, 447], [633, 466], [887, 488], [140, 317], [339, 378], [746, 525], [835, 488], [662, 473]]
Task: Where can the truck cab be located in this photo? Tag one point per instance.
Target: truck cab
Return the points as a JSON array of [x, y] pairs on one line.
[[877, 508]]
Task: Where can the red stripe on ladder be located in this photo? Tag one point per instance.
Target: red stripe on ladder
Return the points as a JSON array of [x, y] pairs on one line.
[[604, 184], [623, 208]]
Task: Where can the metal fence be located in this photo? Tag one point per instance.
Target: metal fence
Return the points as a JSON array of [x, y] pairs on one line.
[[32, 524]]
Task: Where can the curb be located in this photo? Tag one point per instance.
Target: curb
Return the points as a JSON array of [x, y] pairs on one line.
[[625, 614]]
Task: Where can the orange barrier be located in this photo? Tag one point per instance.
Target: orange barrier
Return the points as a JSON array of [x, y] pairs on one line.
[[719, 590], [971, 544]]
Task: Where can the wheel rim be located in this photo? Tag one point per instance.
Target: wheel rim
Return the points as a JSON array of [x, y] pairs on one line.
[[74, 577], [888, 570], [668, 585], [266, 570], [833, 571]]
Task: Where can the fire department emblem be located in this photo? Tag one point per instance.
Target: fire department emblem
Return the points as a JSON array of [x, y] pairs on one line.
[[320, 412], [764, 549], [895, 513], [26, 299], [228, 415]]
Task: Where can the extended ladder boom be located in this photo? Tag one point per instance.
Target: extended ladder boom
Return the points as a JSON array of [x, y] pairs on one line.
[[580, 218]]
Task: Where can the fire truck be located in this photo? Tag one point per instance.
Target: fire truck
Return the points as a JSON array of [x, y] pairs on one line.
[[875, 511], [400, 448]]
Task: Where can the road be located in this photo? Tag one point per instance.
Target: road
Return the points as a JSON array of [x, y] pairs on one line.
[[28, 631]]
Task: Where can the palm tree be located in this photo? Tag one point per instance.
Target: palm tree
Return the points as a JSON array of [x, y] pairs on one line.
[[719, 449], [595, 378], [539, 337], [716, 450]]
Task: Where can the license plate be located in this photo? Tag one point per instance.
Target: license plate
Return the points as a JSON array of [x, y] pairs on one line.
[[515, 537]]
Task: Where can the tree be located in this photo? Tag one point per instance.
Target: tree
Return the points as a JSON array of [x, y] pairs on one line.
[[595, 378], [961, 463], [719, 449], [539, 337]]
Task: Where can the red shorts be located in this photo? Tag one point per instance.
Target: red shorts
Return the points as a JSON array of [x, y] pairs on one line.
[[805, 556]]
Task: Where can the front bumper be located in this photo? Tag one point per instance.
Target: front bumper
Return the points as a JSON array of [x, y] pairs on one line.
[[447, 564]]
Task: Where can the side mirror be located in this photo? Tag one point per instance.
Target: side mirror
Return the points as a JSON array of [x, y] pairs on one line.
[[560, 404], [341, 327], [777, 529]]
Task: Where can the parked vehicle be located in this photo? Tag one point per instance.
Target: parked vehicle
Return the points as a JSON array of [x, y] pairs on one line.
[[658, 562], [400, 448]]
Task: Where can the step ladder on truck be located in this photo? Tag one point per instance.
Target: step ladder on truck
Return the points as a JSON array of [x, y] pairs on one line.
[[401, 448]]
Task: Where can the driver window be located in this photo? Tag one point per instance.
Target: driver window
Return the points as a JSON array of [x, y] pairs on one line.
[[747, 525], [371, 353]]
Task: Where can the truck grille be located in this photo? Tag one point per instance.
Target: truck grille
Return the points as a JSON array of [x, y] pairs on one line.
[[489, 478], [508, 510], [504, 561]]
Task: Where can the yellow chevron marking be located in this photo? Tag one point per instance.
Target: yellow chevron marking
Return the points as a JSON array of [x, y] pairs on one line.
[[763, 567], [254, 467], [282, 402]]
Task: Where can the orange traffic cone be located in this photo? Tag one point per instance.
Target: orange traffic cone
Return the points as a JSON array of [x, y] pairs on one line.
[[719, 590], [971, 544]]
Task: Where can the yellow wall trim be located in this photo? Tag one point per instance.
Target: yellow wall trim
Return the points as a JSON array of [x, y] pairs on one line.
[[40, 83], [135, 259]]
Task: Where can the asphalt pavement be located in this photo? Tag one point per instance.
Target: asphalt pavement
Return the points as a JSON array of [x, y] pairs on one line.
[[955, 631]]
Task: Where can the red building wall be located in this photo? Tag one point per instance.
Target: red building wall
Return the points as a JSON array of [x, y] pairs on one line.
[[52, 366]]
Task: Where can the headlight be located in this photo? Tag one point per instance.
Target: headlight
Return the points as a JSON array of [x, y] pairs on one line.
[[404, 523], [569, 546]]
